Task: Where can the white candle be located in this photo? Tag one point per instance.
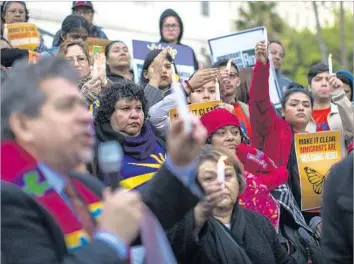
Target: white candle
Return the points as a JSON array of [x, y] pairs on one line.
[[228, 66], [217, 89], [265, 32], [221, 170], [330, 66], [181, 102]]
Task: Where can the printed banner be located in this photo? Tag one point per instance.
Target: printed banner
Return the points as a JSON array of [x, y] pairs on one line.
[[182, 55], [196, 109], [22, 35], [316, 153], [92, 42], [240, 47]]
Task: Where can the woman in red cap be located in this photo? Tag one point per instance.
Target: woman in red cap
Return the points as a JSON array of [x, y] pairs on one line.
[[261, 174]]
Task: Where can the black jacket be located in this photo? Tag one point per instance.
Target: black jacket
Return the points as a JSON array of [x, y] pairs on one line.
[[30, 235], [252, 240], [337, 214]]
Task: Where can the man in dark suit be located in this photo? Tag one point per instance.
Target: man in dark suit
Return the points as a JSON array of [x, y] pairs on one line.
[[337, 214], [44, 125]]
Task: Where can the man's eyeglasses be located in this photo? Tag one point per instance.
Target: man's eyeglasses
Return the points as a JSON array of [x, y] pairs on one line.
[[234, 75], [80, 59]]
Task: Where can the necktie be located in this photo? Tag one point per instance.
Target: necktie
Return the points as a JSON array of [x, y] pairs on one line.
[[80, 208]]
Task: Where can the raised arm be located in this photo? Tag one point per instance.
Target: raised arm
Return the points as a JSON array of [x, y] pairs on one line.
[[346, 113], [262, 113]]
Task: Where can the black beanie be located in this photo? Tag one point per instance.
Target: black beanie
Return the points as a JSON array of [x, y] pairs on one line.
[[167, 13], [9, 56]]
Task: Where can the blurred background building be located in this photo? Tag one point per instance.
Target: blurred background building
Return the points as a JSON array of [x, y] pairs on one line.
[[202, 20]]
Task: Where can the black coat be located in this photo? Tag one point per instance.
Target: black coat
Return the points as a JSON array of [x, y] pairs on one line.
[[337, 214], [252, 240], [29, 234]]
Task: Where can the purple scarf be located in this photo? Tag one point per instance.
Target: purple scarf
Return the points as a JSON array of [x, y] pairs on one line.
[[140, 147]]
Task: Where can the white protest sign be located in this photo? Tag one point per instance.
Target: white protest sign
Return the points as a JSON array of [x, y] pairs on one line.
[[240, 47]]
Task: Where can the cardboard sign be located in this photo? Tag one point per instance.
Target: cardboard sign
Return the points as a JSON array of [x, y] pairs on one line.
[[182, 55], [316, 153], [22, 35], [196, 109], [240, 47], [102, 43]]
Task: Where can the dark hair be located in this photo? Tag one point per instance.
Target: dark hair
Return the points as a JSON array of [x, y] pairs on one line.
[[293, 85], [5, 5], [224, 62], [164, 15], [296, 90], [123, 89], [279, 43], [20, 93], [149, 59], [316, 69], [109, 46], [72, 23], [345, 79]]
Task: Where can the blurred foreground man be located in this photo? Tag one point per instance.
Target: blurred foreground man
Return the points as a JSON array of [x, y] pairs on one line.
[[337, 214], [49, 214]]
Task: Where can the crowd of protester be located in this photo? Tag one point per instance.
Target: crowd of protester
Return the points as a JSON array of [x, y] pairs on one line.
[[58, 111]]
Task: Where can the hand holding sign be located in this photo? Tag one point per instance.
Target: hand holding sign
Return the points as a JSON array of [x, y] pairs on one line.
[[261, 52]]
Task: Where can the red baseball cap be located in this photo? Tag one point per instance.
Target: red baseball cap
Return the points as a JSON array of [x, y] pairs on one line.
[[82, 3]]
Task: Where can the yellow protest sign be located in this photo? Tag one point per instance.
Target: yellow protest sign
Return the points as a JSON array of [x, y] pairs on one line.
[[92, 42], [196, 109], [22, 35], [316, 153]]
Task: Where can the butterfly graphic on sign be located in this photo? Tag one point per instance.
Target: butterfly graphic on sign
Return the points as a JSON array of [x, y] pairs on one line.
[[316, 179]]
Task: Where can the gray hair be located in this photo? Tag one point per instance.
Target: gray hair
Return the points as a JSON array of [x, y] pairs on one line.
[[21, 93], [211, 153]]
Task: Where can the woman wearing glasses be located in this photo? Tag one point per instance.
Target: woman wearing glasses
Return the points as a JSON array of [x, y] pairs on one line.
[[171, 30], [91, 82]]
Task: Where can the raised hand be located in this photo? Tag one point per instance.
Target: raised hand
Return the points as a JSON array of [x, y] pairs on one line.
[[157, 67], [334, 83], [183, 148], [261, 52], [202, 77], [121, 214]]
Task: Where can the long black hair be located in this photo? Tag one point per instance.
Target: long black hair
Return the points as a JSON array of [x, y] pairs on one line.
[[72, 23]]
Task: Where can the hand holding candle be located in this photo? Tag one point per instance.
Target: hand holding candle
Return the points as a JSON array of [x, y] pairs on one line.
[[181, 101], [330, 67], [221, 170]]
